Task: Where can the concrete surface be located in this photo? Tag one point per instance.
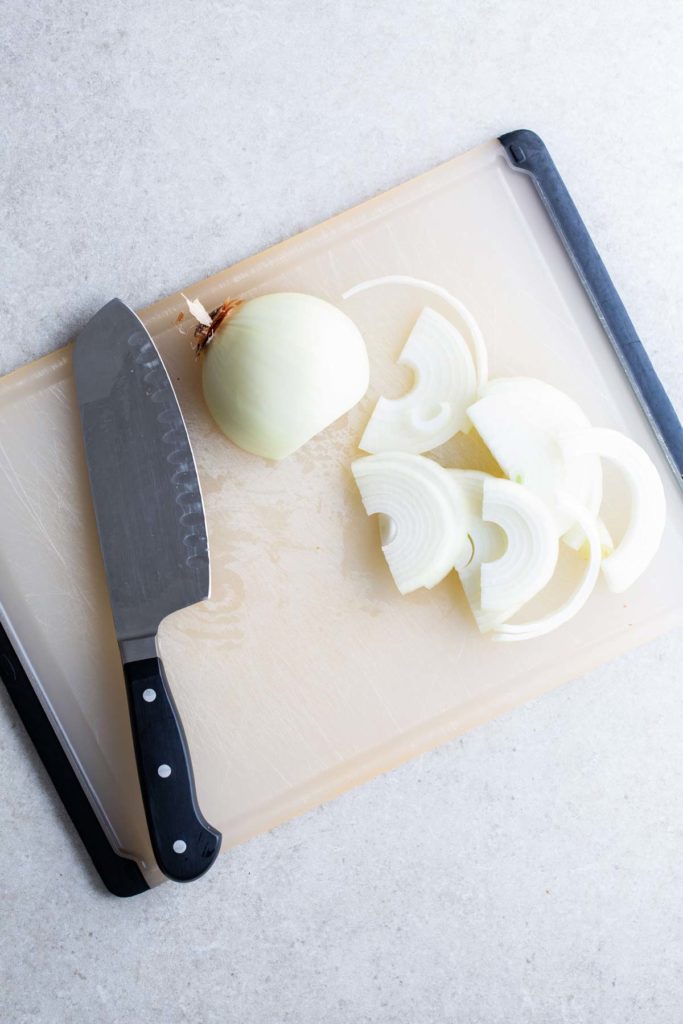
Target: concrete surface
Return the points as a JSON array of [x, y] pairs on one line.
[[530, 872]]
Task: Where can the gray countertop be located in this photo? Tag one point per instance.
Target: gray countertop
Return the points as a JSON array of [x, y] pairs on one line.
[[530, 871]]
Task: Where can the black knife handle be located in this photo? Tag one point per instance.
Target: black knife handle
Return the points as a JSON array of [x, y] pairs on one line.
[[184, 843]]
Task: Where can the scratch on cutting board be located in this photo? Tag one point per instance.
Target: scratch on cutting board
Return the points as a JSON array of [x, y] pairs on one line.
[[21, 494], [305, 713], [24, 500], [303, 710], [386, 706]]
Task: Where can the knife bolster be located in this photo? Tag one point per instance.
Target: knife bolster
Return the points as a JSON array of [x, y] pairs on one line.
[[138, 648]]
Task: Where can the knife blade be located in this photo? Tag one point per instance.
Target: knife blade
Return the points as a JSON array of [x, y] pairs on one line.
[[152, 531]]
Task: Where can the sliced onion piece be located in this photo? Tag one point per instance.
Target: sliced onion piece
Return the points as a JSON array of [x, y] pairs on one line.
[[486, 618], [513, 542], [606, 542], [532, 547], [574, 603], [520, 420], [487, 543], [643, 535], [436, 407], [486, 540], [476, 337], [426, 536], [554, 408]]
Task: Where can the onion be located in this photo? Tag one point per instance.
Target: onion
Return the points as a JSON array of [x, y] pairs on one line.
[[520, 420], [436, 407], [530, 558], [487, 544], [423, 516], [280, 368], [643, 535], [574, 603], [476, 337], [499, 535], [487, 541]]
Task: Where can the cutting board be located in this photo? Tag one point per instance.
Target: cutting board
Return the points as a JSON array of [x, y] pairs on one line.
[[306, 673]]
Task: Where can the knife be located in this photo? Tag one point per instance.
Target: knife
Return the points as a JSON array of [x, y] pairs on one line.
[[150, 520]]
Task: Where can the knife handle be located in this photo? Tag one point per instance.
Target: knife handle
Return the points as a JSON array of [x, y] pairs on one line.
[[184, 843]]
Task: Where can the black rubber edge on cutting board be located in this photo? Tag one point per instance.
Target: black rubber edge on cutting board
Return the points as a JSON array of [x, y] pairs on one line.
[[121, 876], [527, 153]]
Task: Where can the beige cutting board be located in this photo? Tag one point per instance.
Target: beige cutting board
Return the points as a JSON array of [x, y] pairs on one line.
[[306, 673]]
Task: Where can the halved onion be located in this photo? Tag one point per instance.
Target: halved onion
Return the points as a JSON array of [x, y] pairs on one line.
[[423, 516], [280, 368], [436, 407], [473, 329], [643, 535], [520, 420], [574, 603]]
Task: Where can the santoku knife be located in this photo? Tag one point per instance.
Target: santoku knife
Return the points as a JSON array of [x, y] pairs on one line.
[[152, 531]]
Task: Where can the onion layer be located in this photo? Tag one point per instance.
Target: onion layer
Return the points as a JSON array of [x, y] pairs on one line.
[[643, 535], [476, 338], [574, 603], [423, 532], [436, 407], [513, 546], [531, 555], [520, 420], [487, 543]]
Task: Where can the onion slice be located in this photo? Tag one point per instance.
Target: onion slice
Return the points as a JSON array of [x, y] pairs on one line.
[[514, 546], [532, 547], [574, 603], [487, 543], [476, 337], [436, 407], [520, 419], [423, 520], [643, 535]]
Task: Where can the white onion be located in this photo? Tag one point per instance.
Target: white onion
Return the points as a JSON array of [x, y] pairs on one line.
[[280, 369], [520, 419], [487, 544], [530, 557], [423, 516], [473, 329], [513, 546], [576, 601], [643, 535], [444, 386]]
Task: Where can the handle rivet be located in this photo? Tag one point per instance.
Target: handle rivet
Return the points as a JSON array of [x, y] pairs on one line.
[[164, 770], [149, 695], [179, 846]]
